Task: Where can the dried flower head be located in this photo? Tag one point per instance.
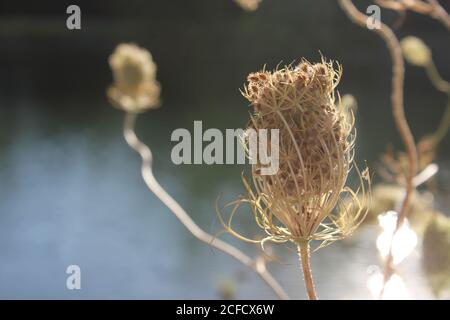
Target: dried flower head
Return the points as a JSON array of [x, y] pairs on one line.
[[307, 199], [135, 87], [415, 51], [248, 5]]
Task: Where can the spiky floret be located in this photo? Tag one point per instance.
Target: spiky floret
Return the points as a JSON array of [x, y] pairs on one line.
[[307, 199]]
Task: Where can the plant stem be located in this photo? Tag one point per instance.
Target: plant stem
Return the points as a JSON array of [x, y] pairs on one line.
[[436, 79], [444, 125], [303, 252], [430, 7], [443, 86], [147, 174], [398, 111], [439, 13]]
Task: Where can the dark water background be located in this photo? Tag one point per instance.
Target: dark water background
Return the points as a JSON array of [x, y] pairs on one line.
[[71, 191]]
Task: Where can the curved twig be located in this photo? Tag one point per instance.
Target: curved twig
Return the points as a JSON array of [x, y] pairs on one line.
[[438, 82], [439, 13], [431, 8], [413, 5], [398, 71], [147, 174]]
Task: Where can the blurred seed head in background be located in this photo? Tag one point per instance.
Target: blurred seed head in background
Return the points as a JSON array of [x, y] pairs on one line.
[[135, 87]]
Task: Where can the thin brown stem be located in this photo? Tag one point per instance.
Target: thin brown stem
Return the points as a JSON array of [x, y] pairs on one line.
[[431, 8], [398, 72], [304, 255], [147, 174], [439, 13], [414, 5]]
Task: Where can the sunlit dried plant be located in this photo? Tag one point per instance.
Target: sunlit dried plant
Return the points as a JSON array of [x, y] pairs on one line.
[[307, 199]]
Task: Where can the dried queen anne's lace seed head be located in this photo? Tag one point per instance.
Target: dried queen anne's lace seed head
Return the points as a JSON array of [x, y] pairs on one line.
[[135, 87], [307, 199]]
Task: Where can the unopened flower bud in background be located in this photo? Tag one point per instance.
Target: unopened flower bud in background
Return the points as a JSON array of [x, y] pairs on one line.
[[135, 87], [415, 51]]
